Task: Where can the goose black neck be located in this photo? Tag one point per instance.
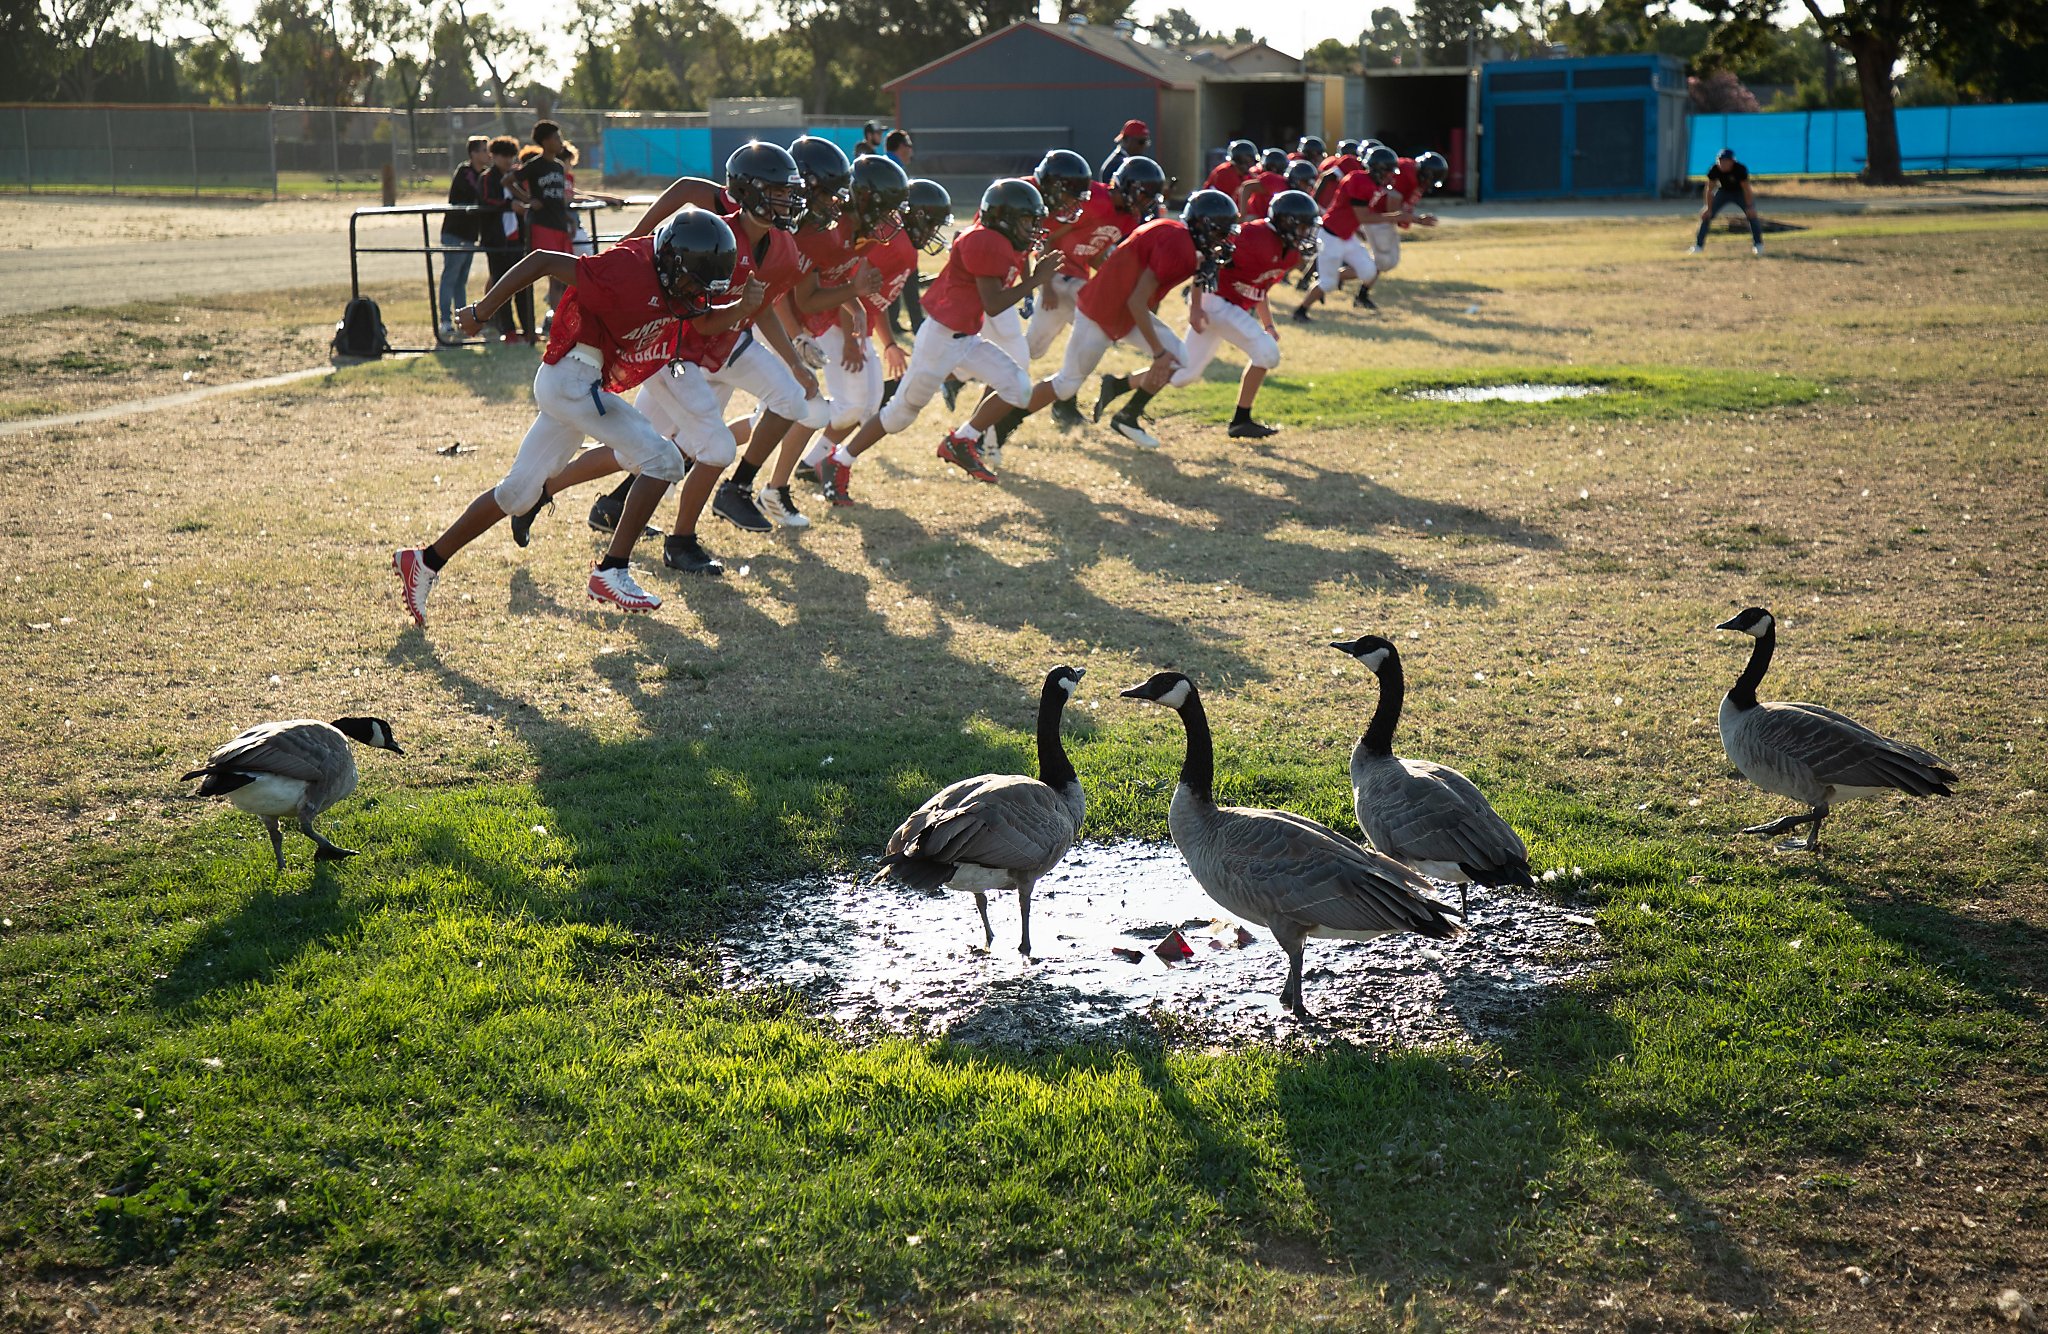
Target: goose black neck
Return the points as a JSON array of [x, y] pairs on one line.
[[1379, 733], [1198, 770], [1054, 768], [1743, 692]]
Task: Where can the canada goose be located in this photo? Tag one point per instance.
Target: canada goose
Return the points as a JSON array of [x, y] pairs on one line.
[[299, 767], [1811, 754], [1286, 873], [1427, 815], [996, 831]]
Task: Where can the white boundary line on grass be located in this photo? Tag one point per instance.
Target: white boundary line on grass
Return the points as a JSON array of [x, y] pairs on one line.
[[178, 400]]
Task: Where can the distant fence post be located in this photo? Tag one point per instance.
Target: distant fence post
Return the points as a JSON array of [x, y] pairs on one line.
[[1948, 134], [28, 175], [271, 114], [192, 138], [1806, 146], [113, 183], [334, 141]]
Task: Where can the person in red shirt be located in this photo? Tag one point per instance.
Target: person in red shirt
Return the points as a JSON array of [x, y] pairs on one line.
[[1238, 311], [985, 274], [1392, 210], [1339, 244], [1269, 179], [1109, 214], [1236, 168], [1119, 303], [619, 322]]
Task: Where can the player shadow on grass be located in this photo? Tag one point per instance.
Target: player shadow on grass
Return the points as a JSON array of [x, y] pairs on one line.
[[268, 929], [2005, 962]]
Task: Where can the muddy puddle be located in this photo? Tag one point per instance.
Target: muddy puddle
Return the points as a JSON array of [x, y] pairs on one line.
[[882, 959], [1507, 393]]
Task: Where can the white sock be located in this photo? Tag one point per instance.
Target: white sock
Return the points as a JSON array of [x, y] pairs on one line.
[[816, 451], [967, 431], [842, 458]]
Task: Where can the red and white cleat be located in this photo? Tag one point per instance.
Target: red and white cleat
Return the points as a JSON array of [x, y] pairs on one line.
[[415, 582], [965, 455], [616, 588]]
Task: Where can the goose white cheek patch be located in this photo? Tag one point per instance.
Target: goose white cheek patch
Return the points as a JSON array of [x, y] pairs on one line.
[[1069, 684], [1375, 659], [1175, 697]]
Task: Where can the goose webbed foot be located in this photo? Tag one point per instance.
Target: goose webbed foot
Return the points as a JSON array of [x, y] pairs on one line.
[[1784, 826], [328, 852]]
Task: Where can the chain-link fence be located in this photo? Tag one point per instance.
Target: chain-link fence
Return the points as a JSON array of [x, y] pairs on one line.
[[283, 150]]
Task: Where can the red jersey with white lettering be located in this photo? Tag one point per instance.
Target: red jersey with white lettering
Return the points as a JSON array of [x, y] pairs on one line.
[[1260, 259], [828, 252], [1226, 178], [954, 298], [1261, 186], [1357, 188], [1102, 224], [1342, 166], [1162, 246], [615, 304], [775, 260], [895, 259]]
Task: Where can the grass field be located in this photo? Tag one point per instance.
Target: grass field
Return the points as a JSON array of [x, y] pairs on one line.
[[484, 1076]]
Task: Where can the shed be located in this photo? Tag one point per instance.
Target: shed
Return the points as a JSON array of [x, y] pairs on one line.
[[1594, 125], [1422, 108], [1243, 58], [994, 106]]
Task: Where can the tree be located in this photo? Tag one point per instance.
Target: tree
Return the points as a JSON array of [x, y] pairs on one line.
[[1330, 56], [1177, 27], [1386, 43], [503, 49], [1450, 31], [79, 30], [451, 78]]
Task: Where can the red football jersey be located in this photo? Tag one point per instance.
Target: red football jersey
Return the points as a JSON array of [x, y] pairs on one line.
[[1260, 260], [828, 251], [775, 260], [1263, 185], [1338, 219], [954, 299], [1161, 245], [895, 259], [1226, 178], [616, 305], [1102, 224], [1405, 180]]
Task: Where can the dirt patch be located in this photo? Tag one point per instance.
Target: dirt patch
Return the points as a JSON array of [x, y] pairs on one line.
[[879, 958]]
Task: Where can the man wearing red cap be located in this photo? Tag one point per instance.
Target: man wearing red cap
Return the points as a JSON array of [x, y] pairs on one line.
[[1131, 141]]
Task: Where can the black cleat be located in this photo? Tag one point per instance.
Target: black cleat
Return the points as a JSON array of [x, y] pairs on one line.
[[951, 388], [1307, 279], [605, 512], [1066, 414], [1114, 387], [1301, 316], [736, 507], [683, 552], [1251, 430], [1364, 300], [522, 524]]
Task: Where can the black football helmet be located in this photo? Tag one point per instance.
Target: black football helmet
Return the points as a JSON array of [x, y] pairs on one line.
[[1381, 163], [1296, 218], [1015, 211], [694, 255], [762, 179], [1211, 218], [1063, 178], [827, 177], [880, 187], [1348, 147], [1244, 154], [1302, 175], [1273, 160], [1311, 148], [926, 211], [1139, 185], [1432, 171]]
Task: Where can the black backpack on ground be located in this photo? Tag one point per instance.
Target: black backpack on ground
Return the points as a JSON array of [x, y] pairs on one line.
[[361, 331]]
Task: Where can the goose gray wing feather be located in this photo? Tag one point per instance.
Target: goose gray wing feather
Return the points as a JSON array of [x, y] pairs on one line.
[[1004, 821], [1840, 752], [302, 748], [1431, 812], [1307, 872]]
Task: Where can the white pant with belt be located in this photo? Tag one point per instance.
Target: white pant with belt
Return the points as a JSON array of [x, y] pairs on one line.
[[753, 368], [1384, 239], [1333, 253], [1088, 342], [938, 352], [574, 406], [855, 396], [1046, 322], [1225, 323], [1005, 329]]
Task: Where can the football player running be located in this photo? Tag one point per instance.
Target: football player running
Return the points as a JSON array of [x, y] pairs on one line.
[[1238, 311], [1402, 186]]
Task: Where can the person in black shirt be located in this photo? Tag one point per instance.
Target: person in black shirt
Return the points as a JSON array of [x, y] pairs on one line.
[[504, 232], [461, 233], [1133, 140], [870, 140], [547, 186], [1728, 183]]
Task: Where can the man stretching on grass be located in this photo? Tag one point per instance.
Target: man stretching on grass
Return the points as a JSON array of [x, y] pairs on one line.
[[1728, 183], [618, 324]]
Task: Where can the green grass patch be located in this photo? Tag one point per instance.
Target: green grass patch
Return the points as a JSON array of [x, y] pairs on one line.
[[1391, 398], [14, 409], [492, 1043]]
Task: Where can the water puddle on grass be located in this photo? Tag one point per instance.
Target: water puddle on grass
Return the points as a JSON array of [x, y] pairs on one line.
[[1507, 393], [883, 959]]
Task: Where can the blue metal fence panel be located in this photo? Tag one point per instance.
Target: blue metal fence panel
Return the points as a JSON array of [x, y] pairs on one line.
[[690, 150], [1821, 143]]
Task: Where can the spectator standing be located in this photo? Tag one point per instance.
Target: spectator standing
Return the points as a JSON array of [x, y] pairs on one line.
[[504, 232], [461, 233], [546, 181], [870, 140], [1728, 183], [1133, 140]]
